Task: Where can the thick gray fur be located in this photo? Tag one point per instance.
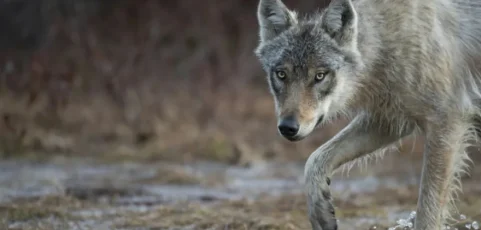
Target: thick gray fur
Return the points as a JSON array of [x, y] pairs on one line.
[[397, 68]]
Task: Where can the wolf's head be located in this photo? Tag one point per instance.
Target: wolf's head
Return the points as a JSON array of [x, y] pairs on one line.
[[311, 63]]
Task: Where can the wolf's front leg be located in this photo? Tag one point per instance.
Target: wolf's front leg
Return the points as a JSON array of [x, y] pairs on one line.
[[362, 136], [444, 161]]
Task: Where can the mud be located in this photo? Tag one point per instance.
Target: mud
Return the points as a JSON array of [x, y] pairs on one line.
[[83, 194]]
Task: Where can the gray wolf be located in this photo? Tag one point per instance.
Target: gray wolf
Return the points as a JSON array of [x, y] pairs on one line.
[[396, 68]]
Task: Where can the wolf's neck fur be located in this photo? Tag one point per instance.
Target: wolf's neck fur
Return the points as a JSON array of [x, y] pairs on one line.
[[369, 40], [370, 46], [382, 34], [406, 45]]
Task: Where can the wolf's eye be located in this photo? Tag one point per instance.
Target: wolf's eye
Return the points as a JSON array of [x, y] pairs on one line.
[[281, 74], [321, 75]]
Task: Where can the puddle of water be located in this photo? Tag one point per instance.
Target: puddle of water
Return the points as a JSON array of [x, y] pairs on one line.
[[98, 213], [186, 192]]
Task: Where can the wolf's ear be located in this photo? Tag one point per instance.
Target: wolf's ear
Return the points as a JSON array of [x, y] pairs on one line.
[[340, 22], [274, 18]]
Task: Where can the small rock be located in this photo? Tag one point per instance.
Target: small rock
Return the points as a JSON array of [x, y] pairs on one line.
[[475, 225]]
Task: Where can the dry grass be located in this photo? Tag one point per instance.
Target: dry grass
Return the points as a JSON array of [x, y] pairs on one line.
[[287, 212], [34, 211]]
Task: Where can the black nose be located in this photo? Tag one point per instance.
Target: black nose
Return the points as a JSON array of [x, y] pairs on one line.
[[288, 127]]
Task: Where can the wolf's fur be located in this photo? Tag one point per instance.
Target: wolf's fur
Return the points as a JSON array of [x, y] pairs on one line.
[[397, 67]]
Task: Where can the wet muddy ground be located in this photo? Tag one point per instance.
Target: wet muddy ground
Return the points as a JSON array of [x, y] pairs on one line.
[[70, 193]]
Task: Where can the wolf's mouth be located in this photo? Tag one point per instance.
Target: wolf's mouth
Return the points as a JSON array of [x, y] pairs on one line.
[[294, 139], [319, 121]]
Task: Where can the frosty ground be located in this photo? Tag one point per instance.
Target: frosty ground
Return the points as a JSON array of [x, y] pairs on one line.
[[87, 193]]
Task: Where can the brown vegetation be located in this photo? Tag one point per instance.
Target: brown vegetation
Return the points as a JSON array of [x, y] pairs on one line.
[[172, 80]]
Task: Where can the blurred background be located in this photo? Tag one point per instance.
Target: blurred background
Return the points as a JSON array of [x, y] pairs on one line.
[[170, 80], [141, 104]]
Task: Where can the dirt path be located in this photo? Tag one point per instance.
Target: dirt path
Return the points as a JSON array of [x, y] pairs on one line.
[[81, 194]]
